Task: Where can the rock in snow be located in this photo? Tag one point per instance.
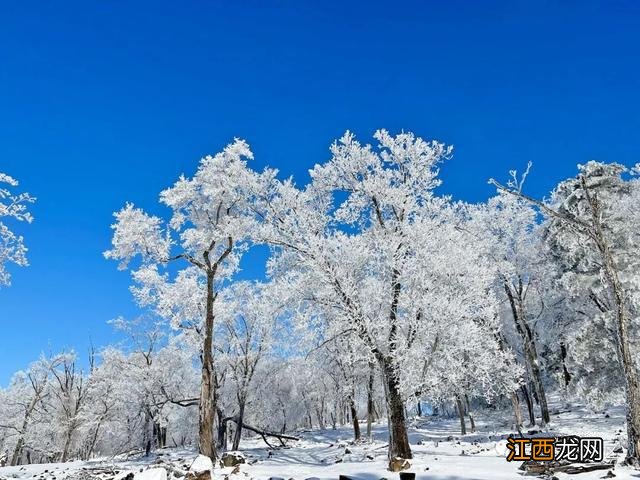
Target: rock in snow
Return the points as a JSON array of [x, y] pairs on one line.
[[231, 459]]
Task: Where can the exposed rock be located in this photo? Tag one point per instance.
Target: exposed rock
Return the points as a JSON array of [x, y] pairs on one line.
[[231, 459], [82, 475], [398, 464], [532, 467], [205, 475]]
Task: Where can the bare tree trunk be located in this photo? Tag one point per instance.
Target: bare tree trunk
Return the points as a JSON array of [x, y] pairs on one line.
[[93, 441], [595, 231], [565, 372], [370, 406], [398, 438], [147, 434], [468, 408], [354, 419], [238, 432], [284, 420], [632, 380], [67, 444], [321, 424], [529, 403], [207, 404], [222, 430], [17, 451], [460, 408], [529, 347], [517, 411]]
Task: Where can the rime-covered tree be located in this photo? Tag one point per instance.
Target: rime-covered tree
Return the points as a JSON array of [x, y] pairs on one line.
[[13, 207], [362, 240], [212, 222], [248, 321], [511, 240], [592, 230]]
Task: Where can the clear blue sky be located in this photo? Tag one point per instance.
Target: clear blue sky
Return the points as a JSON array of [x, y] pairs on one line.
[[104, 102]]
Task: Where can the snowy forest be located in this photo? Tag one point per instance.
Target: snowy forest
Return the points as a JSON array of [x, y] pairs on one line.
[[383, 304]]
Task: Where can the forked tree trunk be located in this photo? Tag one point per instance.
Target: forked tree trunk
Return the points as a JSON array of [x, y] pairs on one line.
[[460, 408], [467, 404], [238, 432], [529, 347], [17, 451], [94, 440], [67, 444], [207, 404], [398, 438]]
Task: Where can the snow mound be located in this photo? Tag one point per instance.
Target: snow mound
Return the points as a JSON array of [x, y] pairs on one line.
[[152, 474]]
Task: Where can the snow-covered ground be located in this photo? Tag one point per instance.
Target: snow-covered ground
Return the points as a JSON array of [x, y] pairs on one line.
[[440, 453]]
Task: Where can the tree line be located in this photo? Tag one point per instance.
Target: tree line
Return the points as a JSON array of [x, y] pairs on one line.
[[381, 297]]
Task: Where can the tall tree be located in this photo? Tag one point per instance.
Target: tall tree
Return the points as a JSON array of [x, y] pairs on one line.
[[211, 224], [593, 225], [248, 317], [511, 239], [349, 237]]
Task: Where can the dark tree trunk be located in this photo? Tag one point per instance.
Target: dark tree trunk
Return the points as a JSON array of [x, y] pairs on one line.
[[565, 372], [207, 404], [472, 423], [623, 343], [221, 442], [93, 441], [354, 419], [529, 402], [529, 346], [17, 451], [238, 432], [370, 405], [398, 438], [460, 408]]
